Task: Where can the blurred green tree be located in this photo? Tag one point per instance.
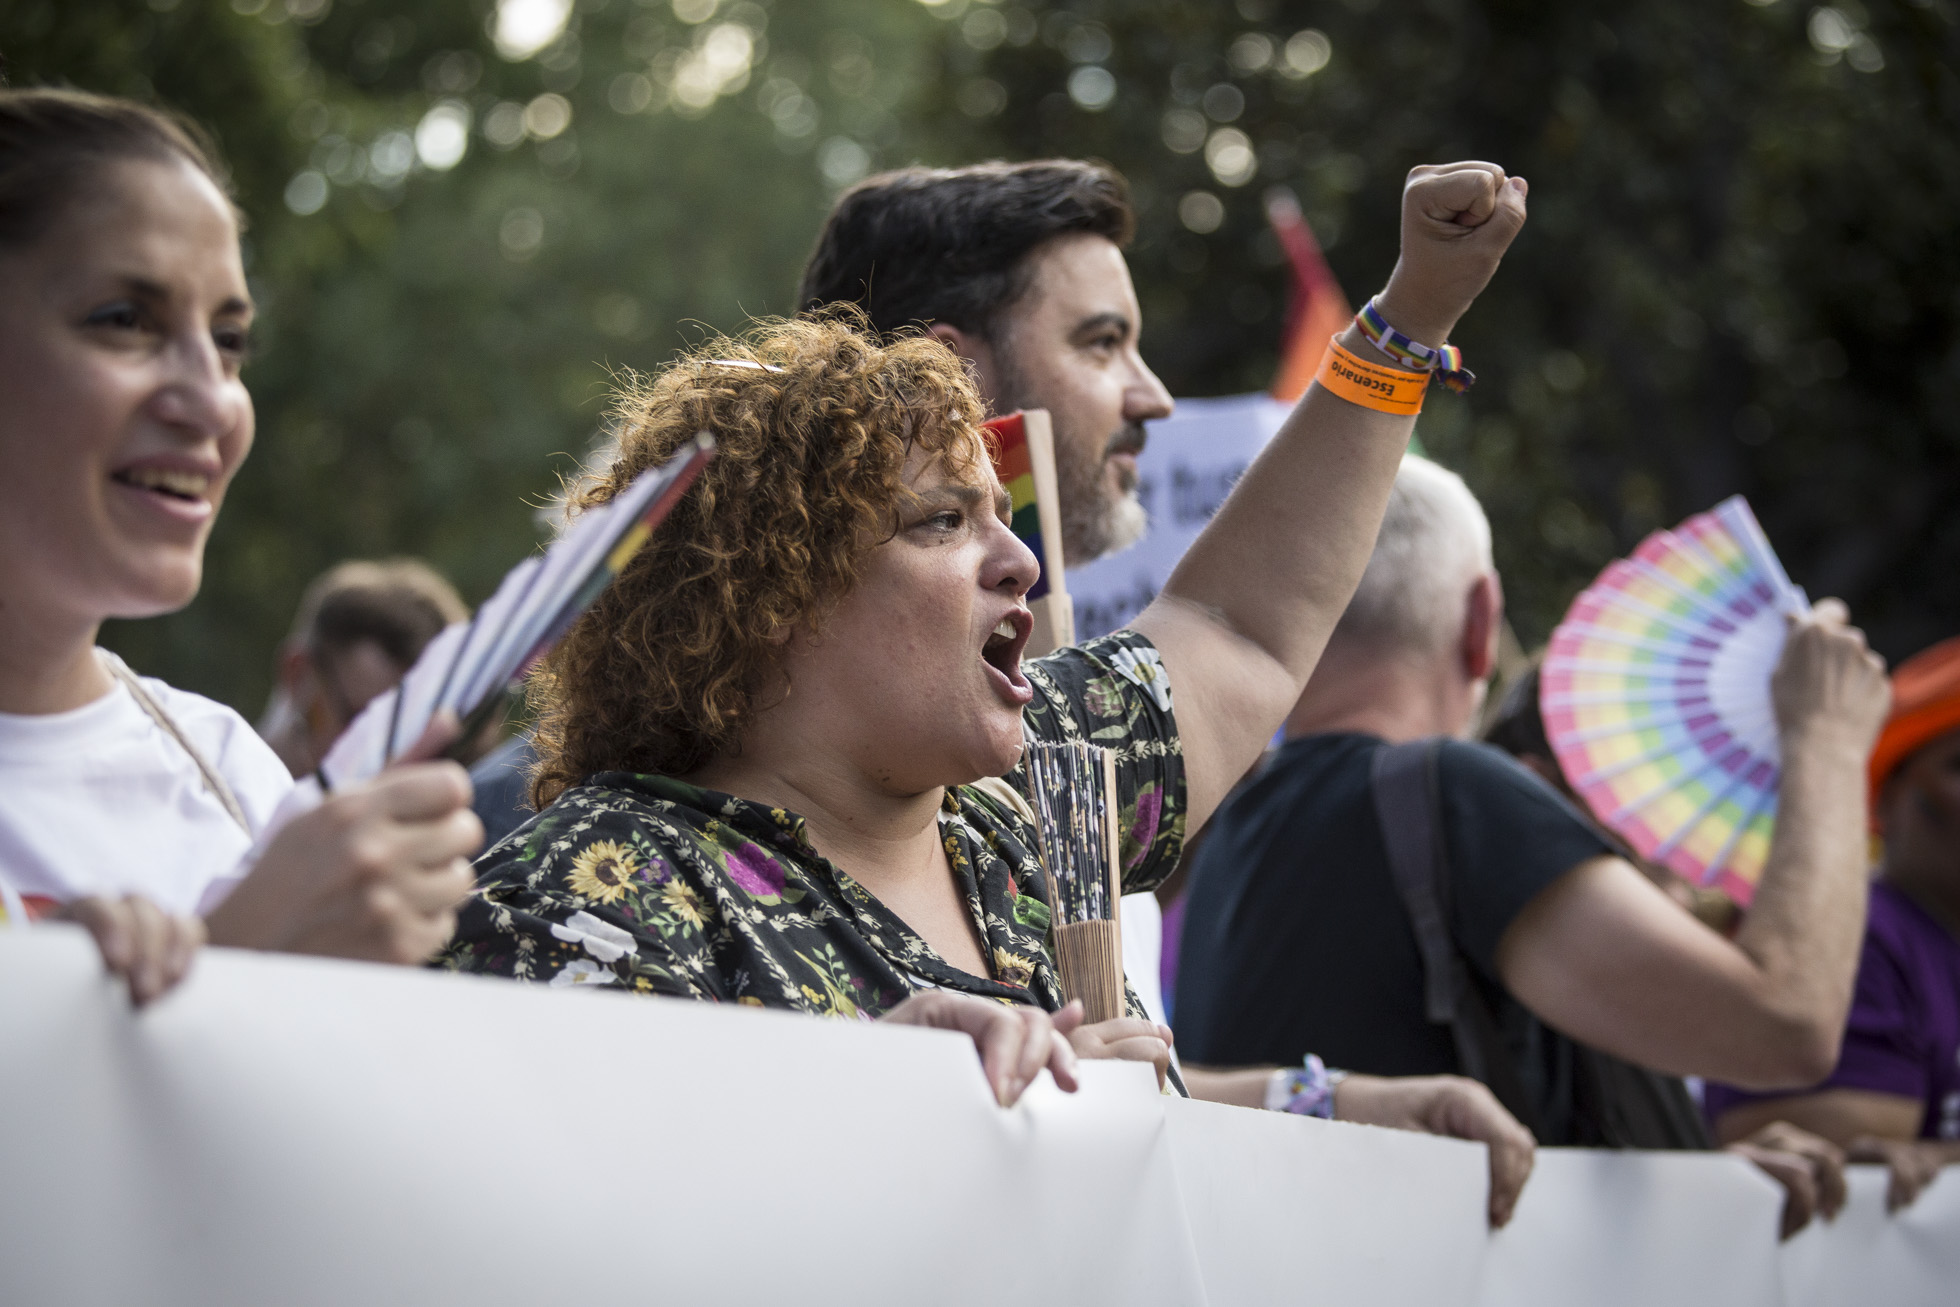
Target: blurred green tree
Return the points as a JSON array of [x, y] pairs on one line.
[[466, 213], [465, 218]]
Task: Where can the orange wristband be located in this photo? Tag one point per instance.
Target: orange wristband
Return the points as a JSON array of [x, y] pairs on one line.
[[1386, 390]]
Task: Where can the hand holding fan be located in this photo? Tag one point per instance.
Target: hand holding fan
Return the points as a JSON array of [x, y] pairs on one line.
[[1655, 694], [1072, 788]]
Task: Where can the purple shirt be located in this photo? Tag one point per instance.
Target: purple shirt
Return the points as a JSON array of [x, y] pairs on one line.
[[1904, 1034]]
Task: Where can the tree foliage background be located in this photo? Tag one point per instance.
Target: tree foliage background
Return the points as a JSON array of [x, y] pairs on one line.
[[1740, 273]]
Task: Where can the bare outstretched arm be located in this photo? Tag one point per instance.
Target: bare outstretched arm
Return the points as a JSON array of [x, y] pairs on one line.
[[1245, 616], [1604, 956]]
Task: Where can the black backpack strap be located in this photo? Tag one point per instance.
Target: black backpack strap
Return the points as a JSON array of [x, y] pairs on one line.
[[1409, 807]]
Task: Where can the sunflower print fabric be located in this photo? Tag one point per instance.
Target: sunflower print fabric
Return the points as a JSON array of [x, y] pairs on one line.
[[649, 884]]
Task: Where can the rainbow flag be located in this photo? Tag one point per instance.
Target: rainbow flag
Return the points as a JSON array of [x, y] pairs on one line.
[[1317, 309], [1014, 464]]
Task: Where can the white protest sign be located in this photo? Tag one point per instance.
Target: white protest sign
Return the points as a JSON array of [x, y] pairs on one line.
[[1290, 1209], [1867, 1255], [1190, 463], [1636, 1229], [293, 1131]]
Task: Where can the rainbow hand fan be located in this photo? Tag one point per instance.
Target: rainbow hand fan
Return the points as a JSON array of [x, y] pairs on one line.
[[1023, 448], [1655, 694]]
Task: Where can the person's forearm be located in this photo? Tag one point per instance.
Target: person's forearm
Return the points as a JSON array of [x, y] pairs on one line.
[[1281, 559], [1804, 928], [1839, 1115], [1246, 614], [1240, 1086], [1244, 617]]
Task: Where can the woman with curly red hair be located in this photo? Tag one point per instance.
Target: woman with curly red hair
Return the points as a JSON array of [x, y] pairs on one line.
[[765, 753]]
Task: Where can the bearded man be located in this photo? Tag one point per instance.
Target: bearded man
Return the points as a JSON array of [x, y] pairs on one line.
[[1019, 268]]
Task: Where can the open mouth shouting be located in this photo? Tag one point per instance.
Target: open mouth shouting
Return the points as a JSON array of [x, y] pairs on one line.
[[1002, 655], [177, 489]]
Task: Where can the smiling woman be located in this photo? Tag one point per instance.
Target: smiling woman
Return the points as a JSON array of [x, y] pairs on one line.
[[130, 805]]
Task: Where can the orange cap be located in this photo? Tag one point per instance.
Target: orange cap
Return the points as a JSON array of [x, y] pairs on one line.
[[1925, 706]]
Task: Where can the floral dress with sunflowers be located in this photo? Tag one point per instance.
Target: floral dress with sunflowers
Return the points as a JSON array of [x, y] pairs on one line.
[[650, 884]]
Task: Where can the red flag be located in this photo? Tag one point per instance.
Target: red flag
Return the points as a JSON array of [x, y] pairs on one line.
[[1318, 308]]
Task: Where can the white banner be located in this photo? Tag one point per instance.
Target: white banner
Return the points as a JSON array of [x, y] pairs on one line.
[[1870, 1256], [1287, 1209], [290, 1131]]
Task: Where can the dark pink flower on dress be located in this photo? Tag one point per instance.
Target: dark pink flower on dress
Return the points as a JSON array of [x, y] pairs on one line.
[[755, 871], [1150, 806]]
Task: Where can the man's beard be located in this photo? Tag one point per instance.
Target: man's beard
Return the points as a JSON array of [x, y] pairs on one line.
[[1095, 521]]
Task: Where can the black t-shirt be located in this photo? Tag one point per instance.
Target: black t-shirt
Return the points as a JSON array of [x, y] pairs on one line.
[[1295, 940]]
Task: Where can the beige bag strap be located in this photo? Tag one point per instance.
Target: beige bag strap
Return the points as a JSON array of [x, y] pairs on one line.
[[213, 780]]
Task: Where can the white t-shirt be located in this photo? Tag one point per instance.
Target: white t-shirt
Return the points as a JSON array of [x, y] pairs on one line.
[[100, 800]]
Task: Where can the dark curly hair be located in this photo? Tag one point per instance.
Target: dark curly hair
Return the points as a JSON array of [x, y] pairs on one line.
[[813, 420]]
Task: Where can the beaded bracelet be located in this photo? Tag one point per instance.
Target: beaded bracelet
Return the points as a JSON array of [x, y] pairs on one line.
[[1305, 1090], [1445, 361]]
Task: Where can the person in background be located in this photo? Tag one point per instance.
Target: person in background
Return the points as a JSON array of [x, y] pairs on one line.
[[1894, 1095], [501, 783], [1019, 269], [124, 323], [1295, 936], [360, 627]]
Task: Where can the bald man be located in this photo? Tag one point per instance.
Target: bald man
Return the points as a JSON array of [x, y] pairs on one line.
[[1296, 937]]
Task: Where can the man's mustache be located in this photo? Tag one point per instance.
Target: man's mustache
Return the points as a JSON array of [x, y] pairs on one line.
[[1129, 440]]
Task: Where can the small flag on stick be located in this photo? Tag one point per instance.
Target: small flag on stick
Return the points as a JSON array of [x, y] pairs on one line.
[[1023, 447]]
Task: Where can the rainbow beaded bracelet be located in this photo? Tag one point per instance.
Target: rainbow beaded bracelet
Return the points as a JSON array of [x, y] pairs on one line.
[[1443, 361], [1304, 1090]]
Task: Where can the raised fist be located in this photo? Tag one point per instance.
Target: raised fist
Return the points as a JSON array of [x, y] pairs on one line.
[[1457, 221]]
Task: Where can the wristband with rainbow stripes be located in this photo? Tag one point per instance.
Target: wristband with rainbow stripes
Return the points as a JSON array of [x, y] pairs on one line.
[[1443, 361]]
